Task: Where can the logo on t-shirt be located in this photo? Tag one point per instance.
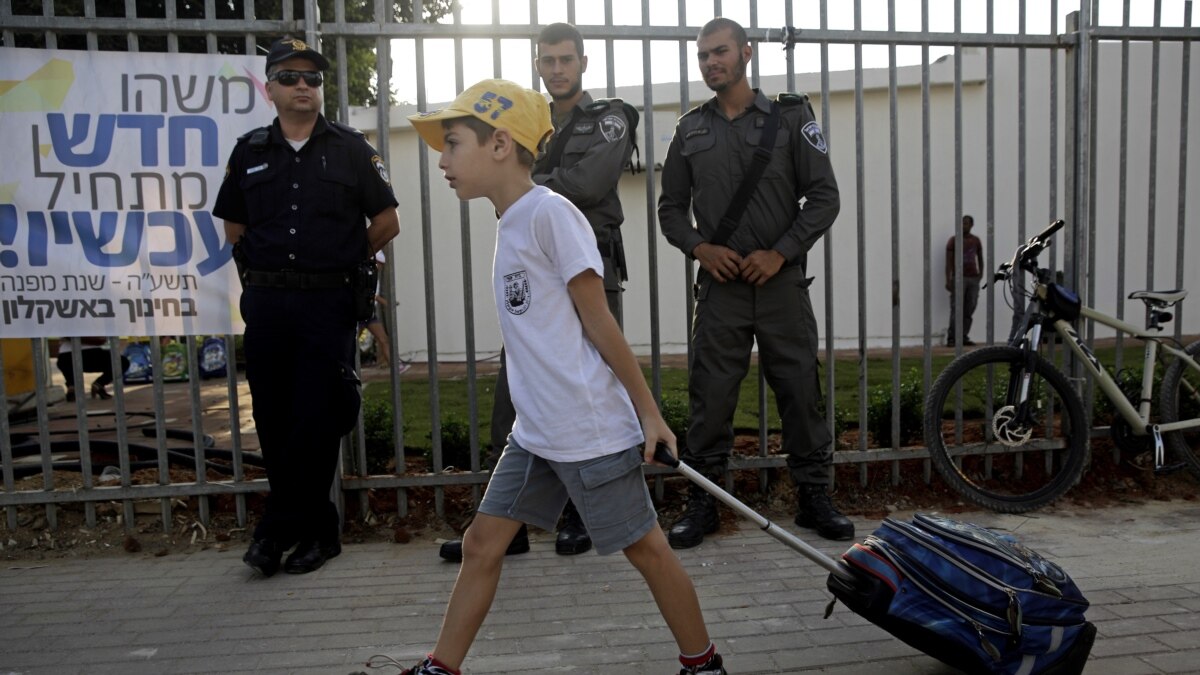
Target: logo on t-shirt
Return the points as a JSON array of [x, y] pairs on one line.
[[516, 292]]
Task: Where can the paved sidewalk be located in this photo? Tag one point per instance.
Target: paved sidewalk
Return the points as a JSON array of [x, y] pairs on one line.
[[208, 613]]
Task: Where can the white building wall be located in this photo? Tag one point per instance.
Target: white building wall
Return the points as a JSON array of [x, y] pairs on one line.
[[450, 299]]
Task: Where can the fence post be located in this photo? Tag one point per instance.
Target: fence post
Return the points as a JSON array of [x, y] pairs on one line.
[[1076, 150]]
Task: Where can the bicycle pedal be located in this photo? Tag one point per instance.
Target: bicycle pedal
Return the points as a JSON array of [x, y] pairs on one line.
[[1168, 469]]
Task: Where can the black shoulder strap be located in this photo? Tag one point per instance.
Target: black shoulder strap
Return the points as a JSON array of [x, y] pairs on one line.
[[554, 156], [762, 157]]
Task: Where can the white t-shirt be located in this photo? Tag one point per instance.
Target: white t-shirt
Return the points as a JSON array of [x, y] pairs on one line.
[[570, 406]]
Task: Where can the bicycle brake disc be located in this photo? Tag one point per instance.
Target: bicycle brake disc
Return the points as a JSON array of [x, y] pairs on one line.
[[1008, 430]]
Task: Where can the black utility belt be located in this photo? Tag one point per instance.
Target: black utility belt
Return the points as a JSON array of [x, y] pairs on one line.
[[298, 280]]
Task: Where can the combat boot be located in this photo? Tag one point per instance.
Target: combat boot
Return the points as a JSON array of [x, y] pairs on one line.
[[572, 536], [816, 511], [698, 519]]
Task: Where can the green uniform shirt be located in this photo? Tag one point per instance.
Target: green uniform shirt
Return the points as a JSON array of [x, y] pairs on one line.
[[705, 163]]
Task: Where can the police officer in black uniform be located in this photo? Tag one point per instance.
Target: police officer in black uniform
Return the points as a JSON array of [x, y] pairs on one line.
[[752, 287], [306, 203], [591, 145]]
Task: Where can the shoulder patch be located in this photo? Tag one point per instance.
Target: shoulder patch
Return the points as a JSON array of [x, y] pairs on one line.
[[812, 134], [381, 168], [613, 127]]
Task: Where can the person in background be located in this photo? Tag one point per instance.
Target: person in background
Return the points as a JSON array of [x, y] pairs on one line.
[[295, 199], [972, 273], [95, 357], [752, 286]]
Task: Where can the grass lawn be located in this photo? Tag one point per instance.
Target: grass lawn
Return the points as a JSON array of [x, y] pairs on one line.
[[454, 403]]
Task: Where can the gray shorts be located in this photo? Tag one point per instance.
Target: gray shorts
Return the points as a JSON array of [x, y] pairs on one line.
[[609, 492]]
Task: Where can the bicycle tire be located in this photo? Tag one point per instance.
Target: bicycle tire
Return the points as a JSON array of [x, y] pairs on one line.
[[1175, 405], [996, 475]]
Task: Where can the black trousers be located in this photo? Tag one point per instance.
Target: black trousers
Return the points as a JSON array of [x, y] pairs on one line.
[[299, 348], [95, 360]]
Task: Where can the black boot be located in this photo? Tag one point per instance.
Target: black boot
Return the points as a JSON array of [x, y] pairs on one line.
[[572, 536], [816, 511], [698, 519], [452, 550]]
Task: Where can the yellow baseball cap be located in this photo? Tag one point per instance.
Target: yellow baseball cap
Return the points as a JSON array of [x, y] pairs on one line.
[[524, 113]]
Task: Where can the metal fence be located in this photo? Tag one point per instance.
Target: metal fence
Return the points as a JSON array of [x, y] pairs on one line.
[[1046, 91]]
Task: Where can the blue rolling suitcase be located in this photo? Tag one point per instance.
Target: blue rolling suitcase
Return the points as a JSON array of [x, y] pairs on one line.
[[965, 595]]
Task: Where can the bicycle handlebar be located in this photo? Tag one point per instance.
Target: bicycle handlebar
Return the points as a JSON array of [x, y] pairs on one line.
[[1029, 251]]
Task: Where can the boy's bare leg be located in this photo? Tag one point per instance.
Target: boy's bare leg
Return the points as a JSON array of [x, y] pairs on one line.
[[672, 589], [483, 555]]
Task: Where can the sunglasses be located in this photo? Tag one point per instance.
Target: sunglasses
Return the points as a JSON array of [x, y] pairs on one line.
[[289, 78]]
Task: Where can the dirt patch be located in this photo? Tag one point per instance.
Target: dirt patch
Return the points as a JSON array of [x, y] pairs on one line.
[[869, 492]]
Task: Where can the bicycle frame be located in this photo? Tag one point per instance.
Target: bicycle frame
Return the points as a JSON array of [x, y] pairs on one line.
[[1029, 335]]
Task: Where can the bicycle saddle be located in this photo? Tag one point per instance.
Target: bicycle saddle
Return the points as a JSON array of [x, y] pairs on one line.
[[1161, 298]]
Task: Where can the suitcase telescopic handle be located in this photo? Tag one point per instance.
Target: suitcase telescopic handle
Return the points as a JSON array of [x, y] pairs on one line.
[[662, 454]]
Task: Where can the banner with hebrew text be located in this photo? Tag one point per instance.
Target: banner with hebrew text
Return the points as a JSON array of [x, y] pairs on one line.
[[111, 164]]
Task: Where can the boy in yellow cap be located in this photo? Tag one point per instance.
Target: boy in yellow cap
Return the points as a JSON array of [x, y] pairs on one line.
[[583, 407]]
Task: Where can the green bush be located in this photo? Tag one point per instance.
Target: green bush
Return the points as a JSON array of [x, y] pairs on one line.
[[912, 403], [456, 443], [677, 415], [377, 434]]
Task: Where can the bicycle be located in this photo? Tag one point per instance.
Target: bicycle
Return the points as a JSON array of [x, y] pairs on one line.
[[1007, 429]]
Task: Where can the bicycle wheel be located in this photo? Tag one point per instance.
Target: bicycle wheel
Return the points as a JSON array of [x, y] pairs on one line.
[[1180, 400], [996, 454]]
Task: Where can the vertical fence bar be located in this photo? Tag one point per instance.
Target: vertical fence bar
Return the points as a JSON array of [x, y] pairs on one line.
[[160, 431], [894, 167], [990, 217], [651, 234], [1185, 58], [464, 226], [827, 246], [860, 181], [1093, 116], [926, 218], [1122, 191], [114, 357], [42, 378], [235, 426], [1152, 169], [81, 419], [435, 412], [199, 452], [6, 453]]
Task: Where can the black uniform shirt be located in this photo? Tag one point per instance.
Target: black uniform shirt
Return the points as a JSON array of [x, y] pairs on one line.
[[598, 145], [705, 163], [304, 210]]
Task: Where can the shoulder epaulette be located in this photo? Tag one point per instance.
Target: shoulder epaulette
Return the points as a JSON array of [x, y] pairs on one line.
[[693, 111], [346, 127], [257, 138], [791, 98], [601, 105]]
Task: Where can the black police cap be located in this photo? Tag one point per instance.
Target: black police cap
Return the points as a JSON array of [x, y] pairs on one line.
[[286, 48]]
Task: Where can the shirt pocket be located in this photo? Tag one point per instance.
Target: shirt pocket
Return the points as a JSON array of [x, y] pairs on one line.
[[780, 166], [338, 190], [261, 199]]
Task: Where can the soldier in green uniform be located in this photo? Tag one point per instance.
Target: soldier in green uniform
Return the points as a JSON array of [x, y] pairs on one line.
[[591, 145], [752, 287]]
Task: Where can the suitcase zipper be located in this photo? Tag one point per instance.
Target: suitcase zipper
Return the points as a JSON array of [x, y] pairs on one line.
[[894, 555], [1042, 583]]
